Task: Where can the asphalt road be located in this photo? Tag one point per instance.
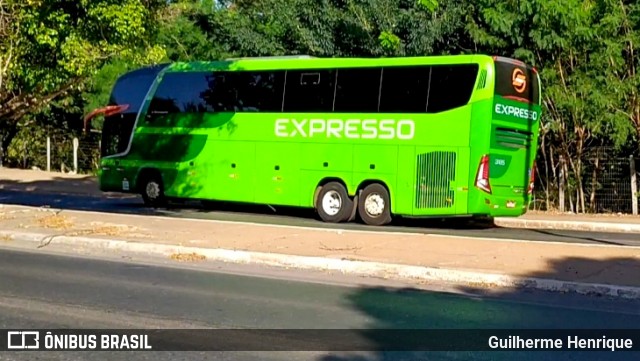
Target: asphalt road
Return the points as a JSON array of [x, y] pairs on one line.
[[49, 290], [287, 216]]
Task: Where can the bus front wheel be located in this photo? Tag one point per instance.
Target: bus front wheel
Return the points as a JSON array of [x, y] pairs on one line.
[[374, 205], [152, 190], [333, 203]]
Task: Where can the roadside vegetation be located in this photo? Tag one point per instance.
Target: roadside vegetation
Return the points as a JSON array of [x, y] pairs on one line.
[[59, 59]]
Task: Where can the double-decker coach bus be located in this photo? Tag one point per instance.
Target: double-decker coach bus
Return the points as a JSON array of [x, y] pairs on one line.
[[412, 136]]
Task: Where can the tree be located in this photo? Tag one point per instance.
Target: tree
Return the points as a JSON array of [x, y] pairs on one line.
[[584, 50], [616, 56], [330, 27], [51, 47]]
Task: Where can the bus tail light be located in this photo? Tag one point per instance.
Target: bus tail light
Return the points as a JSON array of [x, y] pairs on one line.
[[482, 178], [532, 179]]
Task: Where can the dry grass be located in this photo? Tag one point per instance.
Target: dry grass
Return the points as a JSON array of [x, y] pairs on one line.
[[109, 230], [324, 247], [6, 238], [94, 229], [55, 221], [187, 257], [112, 231], [5, 216]]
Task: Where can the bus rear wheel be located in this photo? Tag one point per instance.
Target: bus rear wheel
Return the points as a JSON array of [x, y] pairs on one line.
[[374, 205], [333, 203], [152, 190]]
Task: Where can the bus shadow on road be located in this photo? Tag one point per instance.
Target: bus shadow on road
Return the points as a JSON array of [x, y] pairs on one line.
[[573, 236], [81, 185], [449, 320], [80, 195], [466, 223]]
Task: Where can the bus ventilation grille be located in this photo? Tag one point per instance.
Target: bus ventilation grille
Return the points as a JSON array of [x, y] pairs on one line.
[[513, 138], [435, 172], [482, 82]]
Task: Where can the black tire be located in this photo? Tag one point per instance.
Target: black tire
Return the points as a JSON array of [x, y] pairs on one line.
[[375, 195], [335, 194], [152, 189], [483, 222]]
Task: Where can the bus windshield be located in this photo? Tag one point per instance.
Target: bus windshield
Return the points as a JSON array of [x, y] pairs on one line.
[[124, 105]]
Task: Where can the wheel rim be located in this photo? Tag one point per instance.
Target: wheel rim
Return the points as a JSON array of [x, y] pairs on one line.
[[374, 205], [331, 203], [153, 190]]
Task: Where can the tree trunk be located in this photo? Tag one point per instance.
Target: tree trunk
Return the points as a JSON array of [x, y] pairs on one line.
[[594, 183], [580, 185], [566, 182], [545, 183], [554, 170]]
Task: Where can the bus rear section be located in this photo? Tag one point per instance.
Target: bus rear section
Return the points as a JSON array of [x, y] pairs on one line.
[[505, 173]]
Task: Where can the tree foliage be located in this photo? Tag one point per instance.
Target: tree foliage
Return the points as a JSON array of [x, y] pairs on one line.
[[585, 51], [50, 47]]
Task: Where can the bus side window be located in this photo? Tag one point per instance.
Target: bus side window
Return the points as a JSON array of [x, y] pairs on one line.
[[221, 93], [405, 89], [178, 93], [451, 86], [358, 90], [309, 90], [259, 91], [310, 79]]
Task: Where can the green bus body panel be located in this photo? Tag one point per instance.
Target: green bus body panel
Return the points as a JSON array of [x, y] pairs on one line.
[[242, 155], [281, 158], [327, 63]]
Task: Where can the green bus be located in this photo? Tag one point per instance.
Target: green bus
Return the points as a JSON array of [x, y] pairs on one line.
[[375, 138]]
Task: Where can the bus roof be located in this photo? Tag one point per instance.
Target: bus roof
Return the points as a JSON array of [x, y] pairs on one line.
[[305, 62]]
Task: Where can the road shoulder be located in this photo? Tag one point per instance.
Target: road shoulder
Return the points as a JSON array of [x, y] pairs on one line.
[[468, 262]]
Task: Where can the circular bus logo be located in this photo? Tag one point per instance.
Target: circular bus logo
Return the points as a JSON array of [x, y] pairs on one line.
[[519, 80]]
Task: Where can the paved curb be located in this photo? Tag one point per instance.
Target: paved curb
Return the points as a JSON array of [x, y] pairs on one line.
[[568, 225], [362, 268]]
